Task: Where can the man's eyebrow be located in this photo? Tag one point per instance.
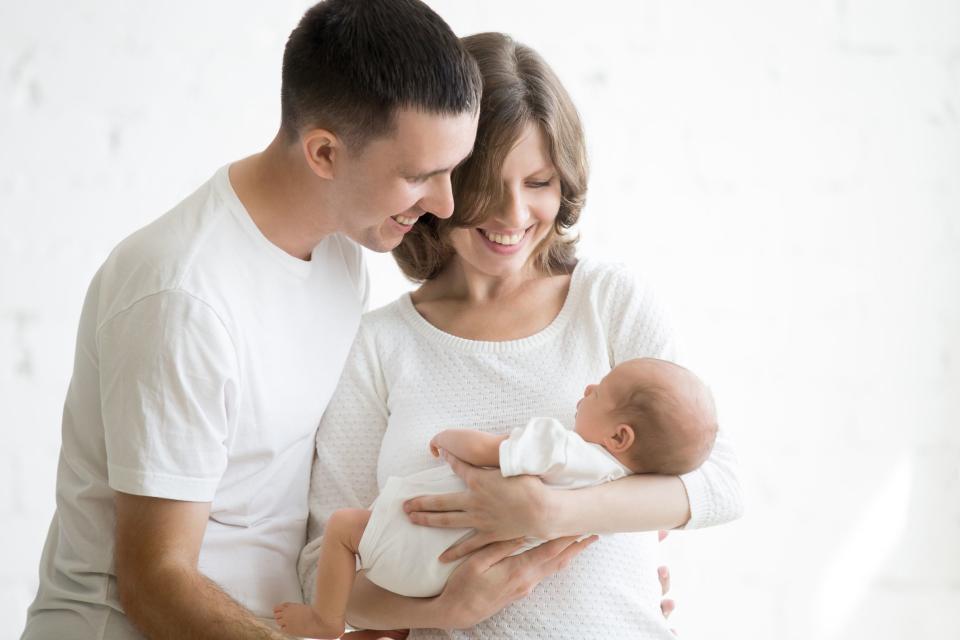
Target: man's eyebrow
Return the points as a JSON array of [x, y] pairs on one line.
[[429, 174]]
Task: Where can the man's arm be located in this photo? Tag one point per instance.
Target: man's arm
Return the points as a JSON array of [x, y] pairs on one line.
[[161, 590], [476, 447]]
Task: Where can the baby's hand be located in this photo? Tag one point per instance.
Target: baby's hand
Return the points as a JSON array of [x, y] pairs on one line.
[[436, 445]]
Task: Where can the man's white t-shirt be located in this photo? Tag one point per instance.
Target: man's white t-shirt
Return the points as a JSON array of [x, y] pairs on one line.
[[402, 557], [205, 358]]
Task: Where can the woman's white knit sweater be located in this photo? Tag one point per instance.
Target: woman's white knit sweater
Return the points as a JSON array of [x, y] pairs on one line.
[[406, 380]]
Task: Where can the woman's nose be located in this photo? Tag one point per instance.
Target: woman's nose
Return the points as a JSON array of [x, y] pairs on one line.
[[515, 214]]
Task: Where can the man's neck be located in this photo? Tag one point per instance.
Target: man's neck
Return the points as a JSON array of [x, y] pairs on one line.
[[283, 197]]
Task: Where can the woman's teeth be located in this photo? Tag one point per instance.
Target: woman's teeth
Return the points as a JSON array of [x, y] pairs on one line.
[[500, 238], [404, 220]]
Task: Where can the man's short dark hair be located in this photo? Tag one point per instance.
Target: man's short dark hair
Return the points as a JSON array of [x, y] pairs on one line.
[[350, 64]]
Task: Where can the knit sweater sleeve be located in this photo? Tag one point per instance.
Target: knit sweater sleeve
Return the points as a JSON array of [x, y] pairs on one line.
[[637, 326], [348, 440]]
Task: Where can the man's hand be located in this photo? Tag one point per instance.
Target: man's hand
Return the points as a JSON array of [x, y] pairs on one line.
[[498, 508]]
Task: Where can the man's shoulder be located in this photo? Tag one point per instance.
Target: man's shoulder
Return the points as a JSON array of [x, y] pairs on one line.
[[160, 256], [175, 234]]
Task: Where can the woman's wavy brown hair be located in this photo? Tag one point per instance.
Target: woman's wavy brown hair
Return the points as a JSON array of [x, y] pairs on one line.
[[518, 88]]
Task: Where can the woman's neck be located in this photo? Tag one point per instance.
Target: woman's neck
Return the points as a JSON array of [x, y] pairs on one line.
[[463, 284], [478, 306]]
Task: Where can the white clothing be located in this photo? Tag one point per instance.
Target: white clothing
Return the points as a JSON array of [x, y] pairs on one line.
[[545, 447], [205, 358], [402, 557], [405, 380]]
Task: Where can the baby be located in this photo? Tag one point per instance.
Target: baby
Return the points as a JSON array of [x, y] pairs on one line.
[[645, 416]]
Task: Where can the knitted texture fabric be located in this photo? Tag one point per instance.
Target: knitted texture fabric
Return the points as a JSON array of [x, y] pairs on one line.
[[406, 380]]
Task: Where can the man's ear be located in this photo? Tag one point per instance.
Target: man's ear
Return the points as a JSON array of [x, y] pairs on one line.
[[322, 149], [621, 440]]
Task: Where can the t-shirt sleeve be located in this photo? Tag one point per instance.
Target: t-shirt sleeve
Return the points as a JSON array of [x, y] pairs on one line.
[[535, 449], [168, 374], [348, 441], [562, 459], [637, 326]]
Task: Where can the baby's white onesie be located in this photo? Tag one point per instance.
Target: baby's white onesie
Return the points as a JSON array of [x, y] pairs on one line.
[[402, 557]]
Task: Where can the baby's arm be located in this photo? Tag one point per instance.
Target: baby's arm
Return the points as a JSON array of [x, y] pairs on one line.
[[476, 447]]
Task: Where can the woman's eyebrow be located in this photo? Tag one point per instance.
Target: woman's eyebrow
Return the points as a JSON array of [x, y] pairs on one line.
[[549, 167]]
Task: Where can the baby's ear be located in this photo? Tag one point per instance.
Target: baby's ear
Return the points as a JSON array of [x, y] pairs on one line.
[[622, 438]]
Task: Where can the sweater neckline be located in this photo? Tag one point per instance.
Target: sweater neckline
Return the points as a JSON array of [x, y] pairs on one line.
[[410, 314]]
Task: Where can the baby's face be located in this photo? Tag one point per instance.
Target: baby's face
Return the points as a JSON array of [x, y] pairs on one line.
[[596, 418]]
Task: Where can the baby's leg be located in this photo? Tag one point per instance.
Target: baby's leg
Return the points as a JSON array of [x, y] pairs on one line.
[[336, 569]]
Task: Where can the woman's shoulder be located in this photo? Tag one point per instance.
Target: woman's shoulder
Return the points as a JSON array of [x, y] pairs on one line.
[[385, 320], [609, 282]]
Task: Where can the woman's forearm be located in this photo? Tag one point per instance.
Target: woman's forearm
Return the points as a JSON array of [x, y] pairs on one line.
[[372, 607], [634, 503]]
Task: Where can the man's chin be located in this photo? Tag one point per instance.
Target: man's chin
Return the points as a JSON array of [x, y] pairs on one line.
[[376, 240]]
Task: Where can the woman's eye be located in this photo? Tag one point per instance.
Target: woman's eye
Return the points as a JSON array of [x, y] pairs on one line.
[[539, 185]]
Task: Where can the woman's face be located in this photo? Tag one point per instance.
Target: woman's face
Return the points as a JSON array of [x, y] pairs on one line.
[[503, 244]]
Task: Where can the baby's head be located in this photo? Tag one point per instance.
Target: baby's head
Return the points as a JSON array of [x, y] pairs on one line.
[[652, 415]]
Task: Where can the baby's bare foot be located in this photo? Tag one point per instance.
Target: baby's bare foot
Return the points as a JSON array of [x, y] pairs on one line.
[[301, 620]]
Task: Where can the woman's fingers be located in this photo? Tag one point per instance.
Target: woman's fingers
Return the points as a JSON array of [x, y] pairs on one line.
[[377, 635], [563, 558], [461, 468], [548, 552], [465, 547], [494, 553], [442, 519], [663, 573], [667, 606], [439, 502]]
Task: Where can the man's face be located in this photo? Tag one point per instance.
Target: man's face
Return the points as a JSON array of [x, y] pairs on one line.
[[395, 179]]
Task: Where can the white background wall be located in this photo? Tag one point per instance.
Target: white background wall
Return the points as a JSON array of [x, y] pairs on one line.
[[788, 172]]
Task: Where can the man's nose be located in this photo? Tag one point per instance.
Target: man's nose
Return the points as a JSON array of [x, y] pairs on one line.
[[440, 200]]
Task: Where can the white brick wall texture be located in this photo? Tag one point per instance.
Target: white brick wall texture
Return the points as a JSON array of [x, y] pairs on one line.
[[787, 171]]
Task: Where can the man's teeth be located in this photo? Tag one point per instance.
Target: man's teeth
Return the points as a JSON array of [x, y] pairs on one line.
[[404, 220], [500, 238]]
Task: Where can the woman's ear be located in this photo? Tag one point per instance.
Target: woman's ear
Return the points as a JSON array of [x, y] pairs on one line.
[[321, 149], [621, 440]]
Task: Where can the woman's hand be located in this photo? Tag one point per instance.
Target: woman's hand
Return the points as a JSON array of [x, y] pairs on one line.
[[368, 634], [491, 579], [497, 508], [663, 573]]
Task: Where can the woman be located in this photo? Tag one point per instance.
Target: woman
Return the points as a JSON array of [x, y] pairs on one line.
[[508, 325]]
